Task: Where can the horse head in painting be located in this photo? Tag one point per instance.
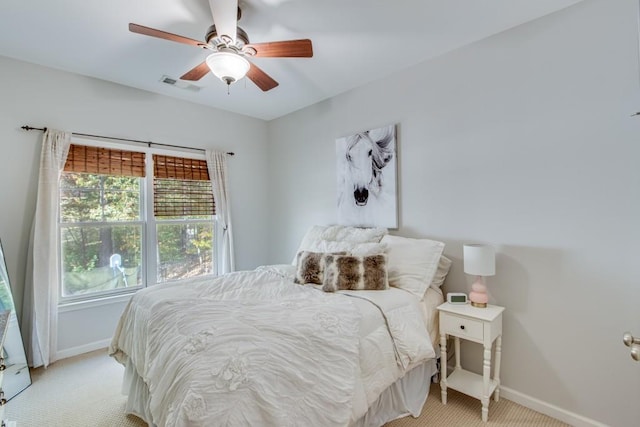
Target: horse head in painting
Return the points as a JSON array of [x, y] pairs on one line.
[[367, 153]]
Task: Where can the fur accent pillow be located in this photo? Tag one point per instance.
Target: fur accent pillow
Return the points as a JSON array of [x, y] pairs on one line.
[[310, 267], [347, 272]]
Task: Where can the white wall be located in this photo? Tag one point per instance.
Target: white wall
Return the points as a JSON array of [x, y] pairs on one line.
[[39, 96], [523, 141]]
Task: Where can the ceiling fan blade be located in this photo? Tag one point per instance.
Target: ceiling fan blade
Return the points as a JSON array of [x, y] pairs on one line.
[[196, 73], [225, 17], [284, 49], [260, 78], [141, 29]]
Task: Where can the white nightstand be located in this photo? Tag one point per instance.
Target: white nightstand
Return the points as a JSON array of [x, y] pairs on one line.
[[481, 325]]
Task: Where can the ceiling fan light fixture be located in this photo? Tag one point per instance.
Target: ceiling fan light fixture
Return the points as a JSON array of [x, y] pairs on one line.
[[228, 67]]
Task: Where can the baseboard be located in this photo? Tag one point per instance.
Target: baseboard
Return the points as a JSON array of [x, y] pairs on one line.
[[548, 409], [75, 351]]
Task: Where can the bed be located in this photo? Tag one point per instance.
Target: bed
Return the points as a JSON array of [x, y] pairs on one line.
[[264, 347]]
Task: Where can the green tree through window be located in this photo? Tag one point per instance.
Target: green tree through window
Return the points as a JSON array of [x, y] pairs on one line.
[[107, 221], [100, 216]]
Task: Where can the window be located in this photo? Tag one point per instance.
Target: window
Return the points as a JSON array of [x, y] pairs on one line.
[[183, 208], [115, 237]]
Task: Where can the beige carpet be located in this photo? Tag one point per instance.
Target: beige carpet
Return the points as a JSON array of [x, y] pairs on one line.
[[464, 411], [84, 391]]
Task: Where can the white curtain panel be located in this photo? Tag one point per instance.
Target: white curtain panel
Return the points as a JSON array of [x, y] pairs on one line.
[[217, 165], [40, 308]]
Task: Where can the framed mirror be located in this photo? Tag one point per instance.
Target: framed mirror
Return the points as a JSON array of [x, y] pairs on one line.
[[16, 376]]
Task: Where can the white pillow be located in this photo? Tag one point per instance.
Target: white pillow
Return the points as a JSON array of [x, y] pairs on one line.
[[355, 249], [444, 265], [314, 238], [412, 262], [344, 233], [310, 237]]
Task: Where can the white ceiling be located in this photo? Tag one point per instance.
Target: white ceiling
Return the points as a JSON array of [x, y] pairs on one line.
[[354, 41]]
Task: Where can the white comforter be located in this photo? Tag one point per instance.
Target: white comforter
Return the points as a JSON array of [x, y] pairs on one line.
[[252, 348]]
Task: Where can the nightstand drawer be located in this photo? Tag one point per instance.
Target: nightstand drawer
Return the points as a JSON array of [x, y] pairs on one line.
[[462, 327]]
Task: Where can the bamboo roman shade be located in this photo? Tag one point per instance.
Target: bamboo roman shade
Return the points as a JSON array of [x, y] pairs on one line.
[[181, 187], [167, 167], [104, 161]]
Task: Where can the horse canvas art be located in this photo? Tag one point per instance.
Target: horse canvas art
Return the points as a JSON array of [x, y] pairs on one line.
[[367, 178]]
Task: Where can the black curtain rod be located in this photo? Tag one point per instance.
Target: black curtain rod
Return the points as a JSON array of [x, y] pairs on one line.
[[148, 143]]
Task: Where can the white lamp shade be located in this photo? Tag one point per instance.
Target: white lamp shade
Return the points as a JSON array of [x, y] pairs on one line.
[[228, 67], [479, 260]]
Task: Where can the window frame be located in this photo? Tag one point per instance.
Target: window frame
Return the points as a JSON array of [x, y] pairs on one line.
[[149, 250]]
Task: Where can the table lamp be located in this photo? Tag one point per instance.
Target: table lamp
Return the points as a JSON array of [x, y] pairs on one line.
[[479, 261]]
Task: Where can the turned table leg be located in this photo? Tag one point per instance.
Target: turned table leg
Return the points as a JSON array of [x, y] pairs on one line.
[[496, 375], [443, 367], [486, 372]]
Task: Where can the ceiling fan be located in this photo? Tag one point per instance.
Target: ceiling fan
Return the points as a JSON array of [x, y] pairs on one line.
[[230, 48]]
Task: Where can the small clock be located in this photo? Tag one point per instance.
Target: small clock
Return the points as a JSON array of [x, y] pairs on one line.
[[457, 298]]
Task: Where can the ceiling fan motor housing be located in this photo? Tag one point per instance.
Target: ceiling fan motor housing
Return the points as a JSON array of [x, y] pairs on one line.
[[242, 37]]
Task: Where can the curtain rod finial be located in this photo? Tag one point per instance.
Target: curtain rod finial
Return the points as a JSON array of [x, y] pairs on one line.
[[27, 127]]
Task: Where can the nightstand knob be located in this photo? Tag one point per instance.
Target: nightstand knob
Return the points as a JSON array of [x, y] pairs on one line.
[[462, 327]]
